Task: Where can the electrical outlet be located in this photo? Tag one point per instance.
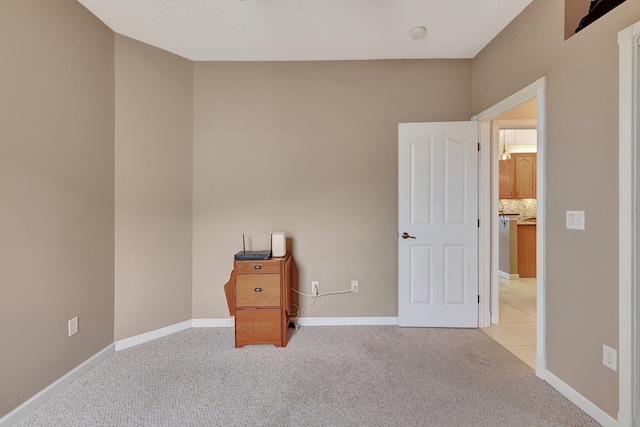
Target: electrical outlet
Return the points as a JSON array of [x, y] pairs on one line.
[[354, 286], [609, 357], [72, 326], [314, 287]]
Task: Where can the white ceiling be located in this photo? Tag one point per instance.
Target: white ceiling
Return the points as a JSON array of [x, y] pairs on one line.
[[303, 30]]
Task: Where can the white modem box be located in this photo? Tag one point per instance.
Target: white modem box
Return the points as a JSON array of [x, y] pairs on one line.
[[278, 244]]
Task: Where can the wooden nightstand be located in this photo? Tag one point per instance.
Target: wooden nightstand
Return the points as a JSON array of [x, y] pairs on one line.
[[261, 296]]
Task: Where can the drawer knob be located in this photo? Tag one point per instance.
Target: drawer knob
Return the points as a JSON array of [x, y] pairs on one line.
[[257, 290], [257, 267]]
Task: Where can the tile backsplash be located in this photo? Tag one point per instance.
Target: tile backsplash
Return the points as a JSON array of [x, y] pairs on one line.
[[525, 207]]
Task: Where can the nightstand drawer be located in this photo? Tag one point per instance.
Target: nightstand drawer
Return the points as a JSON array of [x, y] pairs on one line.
[[268, 266], [259, 326], [257, 290]]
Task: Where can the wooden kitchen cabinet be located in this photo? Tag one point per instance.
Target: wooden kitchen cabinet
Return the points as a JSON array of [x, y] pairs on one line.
[[507, 169], [525, 176], [260, 297], [526, 251], [518, 176]]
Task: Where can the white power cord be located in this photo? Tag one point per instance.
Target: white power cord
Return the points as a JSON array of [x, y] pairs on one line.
[[312, 301], [346, 291]]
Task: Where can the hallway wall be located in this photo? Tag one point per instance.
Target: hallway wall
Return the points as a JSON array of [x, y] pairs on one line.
[[582, 174]]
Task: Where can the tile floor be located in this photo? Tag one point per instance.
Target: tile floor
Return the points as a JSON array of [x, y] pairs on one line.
[[517, 328]]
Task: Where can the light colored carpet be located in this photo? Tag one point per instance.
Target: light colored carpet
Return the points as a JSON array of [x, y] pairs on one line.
[[326, 376]]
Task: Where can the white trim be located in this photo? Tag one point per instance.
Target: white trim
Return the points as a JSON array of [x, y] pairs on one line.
[[348, 321], [54, 388], [508, 276], [488, 240], [623, 421], [629, 306], [213, 323], [229, 323], [487, 260], [152, 335], [541, 231], [580, 401]]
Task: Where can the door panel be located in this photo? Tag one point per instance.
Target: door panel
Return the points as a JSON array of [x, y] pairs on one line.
[[421, 286], [454, 182], [437, 208], [421, 194], [454, 280]]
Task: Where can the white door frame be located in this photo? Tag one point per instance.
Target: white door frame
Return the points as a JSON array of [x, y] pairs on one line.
[[629, 303], [488, 209]]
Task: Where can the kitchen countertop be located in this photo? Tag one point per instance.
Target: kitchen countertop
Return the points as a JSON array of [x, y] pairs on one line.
[[528, 221]]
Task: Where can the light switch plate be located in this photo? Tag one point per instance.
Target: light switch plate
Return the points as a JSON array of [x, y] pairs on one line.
[[575, 220]]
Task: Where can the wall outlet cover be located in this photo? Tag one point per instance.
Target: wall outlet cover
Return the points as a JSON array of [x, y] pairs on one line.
[[72, 326], [609, 357]]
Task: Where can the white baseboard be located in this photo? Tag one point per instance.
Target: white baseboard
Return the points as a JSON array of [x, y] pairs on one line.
[[508, 276], [306, 321], [152, 335], [348, 321], [213, 323], [581, 402], [624, 420], [541, 369], [228, 322], [54, 388]]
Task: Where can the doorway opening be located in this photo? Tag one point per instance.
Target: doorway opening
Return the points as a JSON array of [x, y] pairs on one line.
[[513, 318], [491, 122]]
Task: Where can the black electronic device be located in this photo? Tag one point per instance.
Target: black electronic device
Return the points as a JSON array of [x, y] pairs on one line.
[[245, 255]]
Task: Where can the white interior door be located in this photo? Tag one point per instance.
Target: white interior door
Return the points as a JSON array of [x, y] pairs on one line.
[[438, 224]]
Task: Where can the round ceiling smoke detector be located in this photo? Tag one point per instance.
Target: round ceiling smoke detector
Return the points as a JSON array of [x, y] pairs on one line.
[[418, 32]]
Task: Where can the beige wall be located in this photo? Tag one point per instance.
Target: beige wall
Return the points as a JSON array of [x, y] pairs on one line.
[[56, 187], [310, 148], [582, 174], [153, 144]]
